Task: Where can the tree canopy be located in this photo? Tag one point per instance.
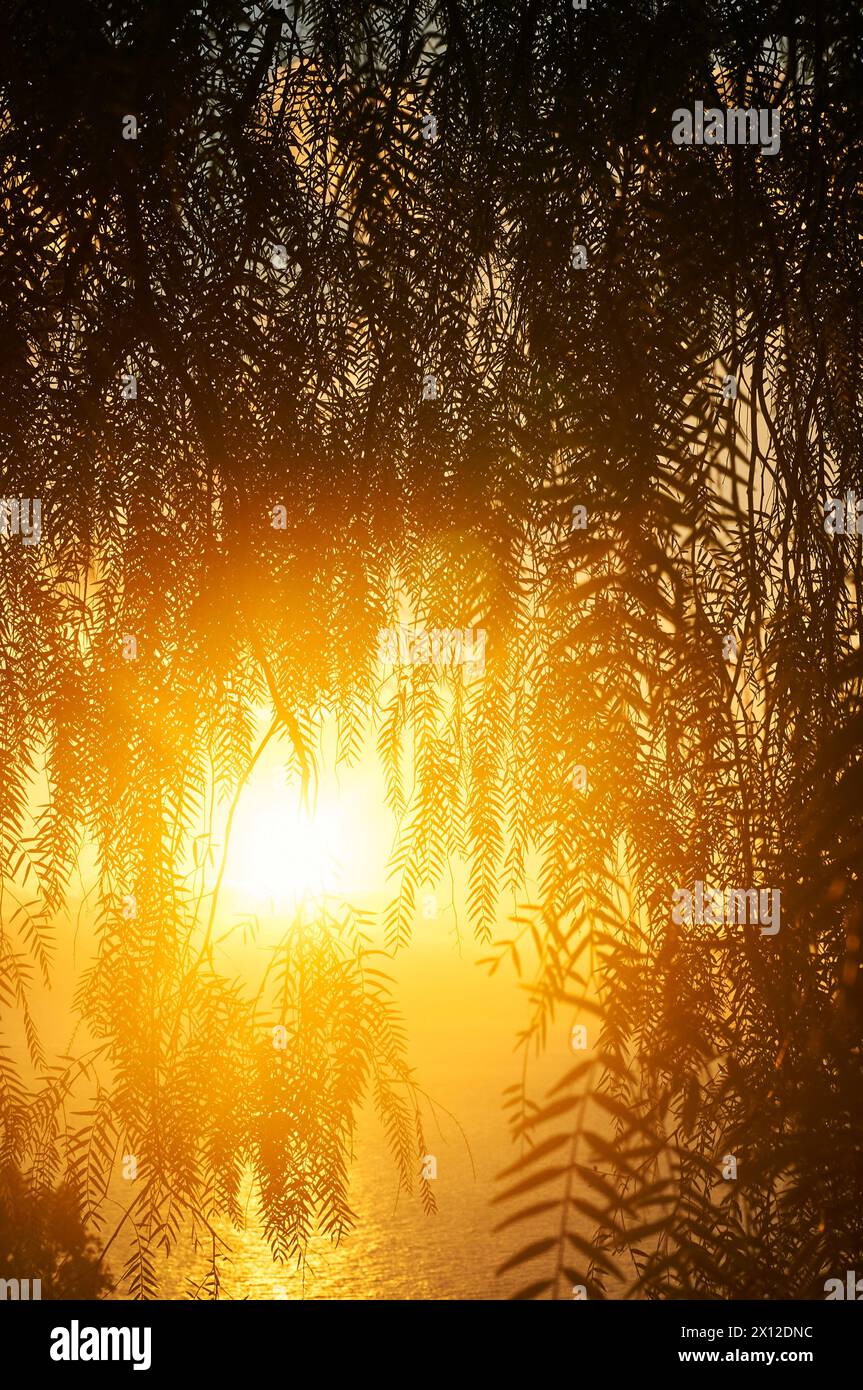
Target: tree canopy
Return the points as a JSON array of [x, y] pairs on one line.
[[295, 341]]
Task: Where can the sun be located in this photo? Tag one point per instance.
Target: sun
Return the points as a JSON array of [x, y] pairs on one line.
[[283, 853]]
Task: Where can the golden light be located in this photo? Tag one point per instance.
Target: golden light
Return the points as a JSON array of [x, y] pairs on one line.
[[283, 854]]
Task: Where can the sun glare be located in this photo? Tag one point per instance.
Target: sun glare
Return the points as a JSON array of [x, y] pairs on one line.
[[282, 853]]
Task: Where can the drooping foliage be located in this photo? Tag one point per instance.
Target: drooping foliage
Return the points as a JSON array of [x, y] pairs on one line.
[[294, 342]]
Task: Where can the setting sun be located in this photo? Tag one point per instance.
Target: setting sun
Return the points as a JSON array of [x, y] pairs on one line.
[[282, 853]]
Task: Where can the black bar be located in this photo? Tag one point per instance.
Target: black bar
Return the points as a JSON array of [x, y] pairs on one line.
[[262, 1338]]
